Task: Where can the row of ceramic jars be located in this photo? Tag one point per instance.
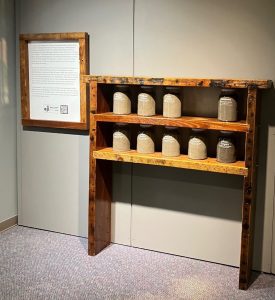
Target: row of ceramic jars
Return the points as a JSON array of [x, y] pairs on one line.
[[146, 102], [197, 148], [227, 105]]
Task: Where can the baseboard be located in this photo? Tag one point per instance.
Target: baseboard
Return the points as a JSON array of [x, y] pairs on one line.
[[8, 223]]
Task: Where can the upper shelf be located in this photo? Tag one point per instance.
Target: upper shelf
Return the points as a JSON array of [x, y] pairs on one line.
[[185, 121], [187, 82]]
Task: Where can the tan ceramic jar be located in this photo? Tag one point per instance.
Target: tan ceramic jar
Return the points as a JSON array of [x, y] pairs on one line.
[[146, 102], [145, 140], [172, 103], [197, 148], [121, 101], [170, 142], [121, 137]]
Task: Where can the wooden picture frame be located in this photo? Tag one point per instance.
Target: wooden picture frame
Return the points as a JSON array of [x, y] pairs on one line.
[[83, 39]]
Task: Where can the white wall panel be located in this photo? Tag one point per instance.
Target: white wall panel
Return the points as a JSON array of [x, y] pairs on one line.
[[8, 188]]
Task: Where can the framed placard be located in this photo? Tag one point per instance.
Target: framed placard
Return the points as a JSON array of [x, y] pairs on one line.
[[51, 69]]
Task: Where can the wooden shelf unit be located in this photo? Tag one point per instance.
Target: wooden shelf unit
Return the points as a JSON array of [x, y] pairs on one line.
[[101, 155]]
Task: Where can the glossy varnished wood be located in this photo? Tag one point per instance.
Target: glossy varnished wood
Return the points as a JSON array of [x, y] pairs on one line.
[[100, 184], [185, 121], [182, 161], [83, 39], [24, 80], [53, 36], [187, 82], [249, 190], [101, 155], [54, 124]]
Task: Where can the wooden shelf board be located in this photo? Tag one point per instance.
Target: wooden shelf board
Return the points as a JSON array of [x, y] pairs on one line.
[[187, 82], [185, 121], [182, 161]]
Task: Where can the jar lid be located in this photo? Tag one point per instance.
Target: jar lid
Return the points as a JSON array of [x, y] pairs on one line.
[[122, 87], [228, 92], [198, 129], [147, 88], [121, 124], [171, 127], [146, 125], [226, 133], [173, 89]]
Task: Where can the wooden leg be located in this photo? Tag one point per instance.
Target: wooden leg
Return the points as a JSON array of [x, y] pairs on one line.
[[100, 197], [249, 191], [247, 236]]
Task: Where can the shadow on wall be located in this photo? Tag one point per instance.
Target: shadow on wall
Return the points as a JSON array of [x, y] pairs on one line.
[[202, 193], [188, 191], [267, 120], [4, 87]]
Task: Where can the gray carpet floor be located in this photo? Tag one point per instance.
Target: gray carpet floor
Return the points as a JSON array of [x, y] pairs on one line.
[[37, 264]]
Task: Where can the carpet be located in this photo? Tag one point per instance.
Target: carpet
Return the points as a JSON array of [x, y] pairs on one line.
[[37, 264]]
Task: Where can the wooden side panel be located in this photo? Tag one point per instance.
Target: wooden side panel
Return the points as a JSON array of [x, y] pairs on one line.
[[100, 187], [249, 192]]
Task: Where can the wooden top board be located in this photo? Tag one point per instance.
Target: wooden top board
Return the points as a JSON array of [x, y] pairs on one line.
[[187, 82]]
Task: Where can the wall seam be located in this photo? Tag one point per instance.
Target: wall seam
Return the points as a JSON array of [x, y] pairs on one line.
[[132, 165]]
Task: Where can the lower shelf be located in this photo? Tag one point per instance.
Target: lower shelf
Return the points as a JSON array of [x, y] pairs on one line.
[[182, 161]]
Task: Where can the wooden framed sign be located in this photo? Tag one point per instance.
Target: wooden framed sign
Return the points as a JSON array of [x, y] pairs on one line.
[[51, 69]]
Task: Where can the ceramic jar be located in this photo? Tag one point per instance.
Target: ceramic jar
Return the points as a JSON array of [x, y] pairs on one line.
[[226, 151], [145, 140], [227, 106], [197, 148], [171, 142], [121, 101], [121, 137], [172, 102], [146, 102]]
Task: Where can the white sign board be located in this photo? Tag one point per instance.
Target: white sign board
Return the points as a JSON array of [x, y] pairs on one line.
[[54, 80]]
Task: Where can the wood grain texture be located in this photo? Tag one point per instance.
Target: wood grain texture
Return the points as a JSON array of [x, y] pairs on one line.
[[53, 36], [101, 154], [182, 161], [24, 80], [249, 192], [185, 121], [54, 124], [83, 39], [222, 83], [100, 186], [84, 88]]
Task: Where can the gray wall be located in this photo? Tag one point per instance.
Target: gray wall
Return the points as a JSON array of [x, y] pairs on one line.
[[219, 39], [53, 170], [8, 185], [183, 212]]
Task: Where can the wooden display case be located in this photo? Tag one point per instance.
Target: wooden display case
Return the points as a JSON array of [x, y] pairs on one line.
[[102, 155]]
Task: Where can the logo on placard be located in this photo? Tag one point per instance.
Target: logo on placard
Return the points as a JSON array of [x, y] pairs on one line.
[[64, 109]]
